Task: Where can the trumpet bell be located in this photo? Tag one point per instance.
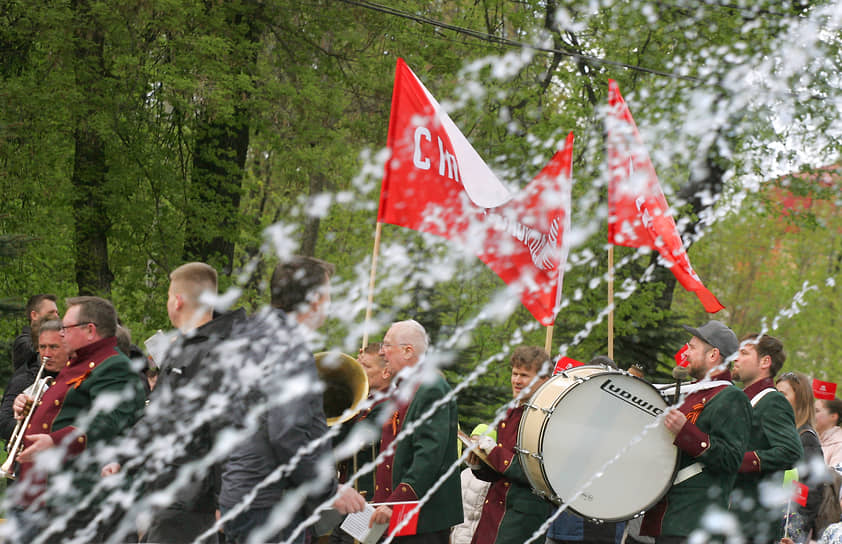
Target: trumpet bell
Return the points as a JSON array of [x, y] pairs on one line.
[[346, 385]]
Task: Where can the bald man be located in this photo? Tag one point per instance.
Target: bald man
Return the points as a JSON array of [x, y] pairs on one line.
[[422, 457]]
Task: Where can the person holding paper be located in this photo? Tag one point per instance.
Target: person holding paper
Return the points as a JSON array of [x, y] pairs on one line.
[[511, 513], [423, 445]]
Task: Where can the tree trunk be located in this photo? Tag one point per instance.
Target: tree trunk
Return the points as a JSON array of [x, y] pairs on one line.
[[93, 274]]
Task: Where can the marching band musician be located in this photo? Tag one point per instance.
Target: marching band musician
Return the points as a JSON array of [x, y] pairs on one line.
[[774, 445], [379, 376], [48, 331], [512, 513], [63, 419], [711, 428], [419, 459]]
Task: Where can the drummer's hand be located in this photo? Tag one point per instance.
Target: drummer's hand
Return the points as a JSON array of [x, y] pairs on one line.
[[473, 460], [382, 514], [674, 421]]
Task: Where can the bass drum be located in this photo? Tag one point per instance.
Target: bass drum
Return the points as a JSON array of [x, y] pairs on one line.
[[590, 437]]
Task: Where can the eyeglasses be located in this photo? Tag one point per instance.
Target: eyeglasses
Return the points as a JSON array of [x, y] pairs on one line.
[[65, 327]]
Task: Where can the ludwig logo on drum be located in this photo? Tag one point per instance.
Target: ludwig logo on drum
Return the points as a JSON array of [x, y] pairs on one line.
[[634, 400]]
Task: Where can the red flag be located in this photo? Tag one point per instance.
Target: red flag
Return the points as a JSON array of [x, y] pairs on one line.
[[566, 363], [638, 214], [681, 356], [824, 390], [436, 182], [407, 510], [799, 493]]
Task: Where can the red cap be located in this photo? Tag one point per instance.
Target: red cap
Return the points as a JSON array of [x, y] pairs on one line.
[[824, 390]]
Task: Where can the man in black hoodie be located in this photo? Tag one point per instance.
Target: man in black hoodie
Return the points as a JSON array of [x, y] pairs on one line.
[[175, 411]]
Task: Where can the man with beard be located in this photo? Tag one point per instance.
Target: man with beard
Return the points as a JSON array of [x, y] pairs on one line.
[[711, 429], [774, 445]]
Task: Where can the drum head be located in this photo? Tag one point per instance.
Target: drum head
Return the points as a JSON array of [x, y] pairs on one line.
[[603, 449]]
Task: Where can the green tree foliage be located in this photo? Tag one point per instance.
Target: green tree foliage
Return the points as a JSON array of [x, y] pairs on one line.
[[135, 136]]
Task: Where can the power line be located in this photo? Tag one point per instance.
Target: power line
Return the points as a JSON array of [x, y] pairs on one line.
[[484, 36]]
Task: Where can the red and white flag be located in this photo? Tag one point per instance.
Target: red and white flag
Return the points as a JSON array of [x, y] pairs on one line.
[[638, 214], [824, 390], [436, 182], [800, 493], [566, 363], [405, 514]]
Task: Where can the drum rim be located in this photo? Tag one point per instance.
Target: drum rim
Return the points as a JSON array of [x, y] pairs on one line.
[[552, 497]]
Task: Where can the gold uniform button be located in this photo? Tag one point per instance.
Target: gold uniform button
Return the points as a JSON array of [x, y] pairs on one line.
[[81, 439], [505, 462], [486, 501], [507, 484], [92, 364], [499, 444], [67, 363], [377, 487], [389, 467], [43, 425], [704, 444], [503, 425], [403, 488], [58, 402], [754, 463]]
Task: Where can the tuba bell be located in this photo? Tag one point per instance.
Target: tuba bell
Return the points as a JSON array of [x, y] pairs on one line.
[[346, 385]]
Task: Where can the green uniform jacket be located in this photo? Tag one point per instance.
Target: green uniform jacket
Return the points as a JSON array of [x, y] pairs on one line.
[[717, 441], [98, 372], [512, 512], [774, 447], [421, 458]]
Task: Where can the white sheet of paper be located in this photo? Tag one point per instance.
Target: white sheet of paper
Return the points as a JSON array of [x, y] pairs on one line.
[[356, 525], [157, 345]]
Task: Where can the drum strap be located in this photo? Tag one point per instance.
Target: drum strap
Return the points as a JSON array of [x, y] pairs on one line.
[[688, 472], [756, 398]]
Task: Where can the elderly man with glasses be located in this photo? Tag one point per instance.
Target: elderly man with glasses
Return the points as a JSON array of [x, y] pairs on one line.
[[94, 398]]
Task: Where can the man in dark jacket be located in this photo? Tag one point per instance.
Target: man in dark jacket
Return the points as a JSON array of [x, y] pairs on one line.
[[184, 385], [37, 307], [283, 466]]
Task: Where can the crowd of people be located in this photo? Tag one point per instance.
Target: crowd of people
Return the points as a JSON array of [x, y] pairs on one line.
[[222, 437]]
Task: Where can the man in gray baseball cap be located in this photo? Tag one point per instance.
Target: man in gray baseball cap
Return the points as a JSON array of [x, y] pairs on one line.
[[711, 426], [716, 335]]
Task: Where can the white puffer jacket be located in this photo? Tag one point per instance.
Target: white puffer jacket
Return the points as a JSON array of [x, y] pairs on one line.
[[473, 497]]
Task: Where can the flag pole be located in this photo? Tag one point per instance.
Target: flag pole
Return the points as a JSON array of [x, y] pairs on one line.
[[549, 341], [370, 302], [611, 301]]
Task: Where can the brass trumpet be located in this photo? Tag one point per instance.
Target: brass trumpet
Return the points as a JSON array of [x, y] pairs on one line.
[[36, 391]]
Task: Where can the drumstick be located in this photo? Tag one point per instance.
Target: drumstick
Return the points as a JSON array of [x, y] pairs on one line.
[[679, 373]]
